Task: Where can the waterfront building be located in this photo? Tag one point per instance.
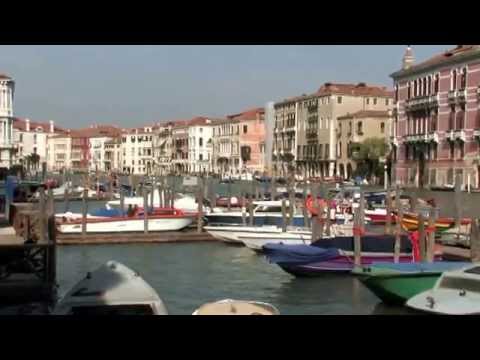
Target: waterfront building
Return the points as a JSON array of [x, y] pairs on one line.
[[305, 135], [226, 147], [251, 138], [436, 130], [356, 128], [99, 137], [31, 138], [59, 152], [7, 145], [180, 147], [137, 151], [200, 144], [112, 155], [163, 147]]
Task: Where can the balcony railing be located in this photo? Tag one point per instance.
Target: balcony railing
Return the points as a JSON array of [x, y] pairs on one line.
[[450, 135], [462, 96], [460, 135], [452, 96]]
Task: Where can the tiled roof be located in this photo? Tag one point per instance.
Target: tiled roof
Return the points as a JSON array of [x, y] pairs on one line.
[[250, 114], [450, 55], [5, 77], [366, 114], [201, 120], [91, 132], [360, 89], [20, 124]]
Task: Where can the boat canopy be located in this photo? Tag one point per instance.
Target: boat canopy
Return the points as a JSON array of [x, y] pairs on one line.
[[297, 254]]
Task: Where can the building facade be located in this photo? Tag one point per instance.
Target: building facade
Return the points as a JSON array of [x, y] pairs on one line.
[[59, 152], [7, 145], [180, 138], [356, 128], [200, 144], [436, 128], [163, 147], [252, 140], [137, 151], [305, 136], [226, 147]]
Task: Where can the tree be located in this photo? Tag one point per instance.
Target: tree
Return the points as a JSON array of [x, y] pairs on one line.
[[367, 156]]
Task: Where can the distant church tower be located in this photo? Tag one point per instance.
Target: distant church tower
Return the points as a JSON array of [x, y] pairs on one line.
[[408, 58], [7, 89]]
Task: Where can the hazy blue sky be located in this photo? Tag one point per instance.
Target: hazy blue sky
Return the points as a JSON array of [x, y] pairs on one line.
[[133, 85]]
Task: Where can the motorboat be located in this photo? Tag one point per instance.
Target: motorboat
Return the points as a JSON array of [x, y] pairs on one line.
[[456, 292], [161, 220], [112, 289], [237, 307]]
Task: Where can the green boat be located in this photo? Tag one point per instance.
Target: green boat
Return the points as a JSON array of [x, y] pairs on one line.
[[395, 283]]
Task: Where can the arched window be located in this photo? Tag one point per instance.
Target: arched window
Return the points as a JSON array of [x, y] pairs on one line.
[[463, 80], [454, 80], [409, 90], [415, 88], [436, 85], [429, 86], [424, 87]]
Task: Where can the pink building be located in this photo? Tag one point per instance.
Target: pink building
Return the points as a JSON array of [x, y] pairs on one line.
[[436, 128], [251, 139]]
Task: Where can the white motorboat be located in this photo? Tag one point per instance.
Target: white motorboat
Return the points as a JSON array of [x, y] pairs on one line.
[[168, 220], [182, 201], [237, 307], [112, 289], [456, 292]]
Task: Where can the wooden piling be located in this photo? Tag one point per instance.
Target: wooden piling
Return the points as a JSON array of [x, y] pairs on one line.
[[42, 210], [421, 236], [250, 211], [244, 209], [362, 211], [229, 195], [50, 203], [152, 195], [327, 219], [398, 226], [431, 235], [160, 194], [200, 205], [145, 210], [475, 241], [84, 212], [284, 215], [66, 200], [122, 200], [357, 245], [306, 219], [292, 203], [457, 200], [273, 188], [413, 202], [388, 205]]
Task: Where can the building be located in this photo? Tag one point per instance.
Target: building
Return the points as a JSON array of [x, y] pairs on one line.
[[31, 138], [200, 144], [59, 151], [99, 137], [226, 147], [137, 151], [180, 147], [305, 136], [112, 158], [436, 128], [163, 147], [7, 146], [355, 128], [251, 138]]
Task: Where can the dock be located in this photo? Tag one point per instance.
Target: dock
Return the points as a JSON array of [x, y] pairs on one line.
[[133, 238]]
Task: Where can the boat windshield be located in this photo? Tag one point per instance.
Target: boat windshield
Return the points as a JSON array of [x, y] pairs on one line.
[[134, 309], [458, 283], [269, 209]]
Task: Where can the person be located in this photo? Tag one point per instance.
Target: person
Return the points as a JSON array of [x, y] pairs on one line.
[[135, 210], [130, 211]]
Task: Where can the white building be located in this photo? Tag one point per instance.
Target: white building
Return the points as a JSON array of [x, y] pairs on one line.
[[59, 154], [7, 148], [32, 138], [200, 132], [163, 148], [137, 151]]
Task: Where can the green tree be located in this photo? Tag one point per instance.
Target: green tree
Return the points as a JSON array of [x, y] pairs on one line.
[[367, 155]]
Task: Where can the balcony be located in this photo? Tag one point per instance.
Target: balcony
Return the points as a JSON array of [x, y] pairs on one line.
[[476, 134], [434, 100], [433, 137], [462, 96], [460, 135], [452, 96], [417, 102], [478, 93], [450, 135]]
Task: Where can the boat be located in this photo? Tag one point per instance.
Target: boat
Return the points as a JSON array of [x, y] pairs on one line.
[[161, 220], [264, 213], [336, 255], [410, 222], [456, 292], [395, 283], [112, 289], [237, 307]]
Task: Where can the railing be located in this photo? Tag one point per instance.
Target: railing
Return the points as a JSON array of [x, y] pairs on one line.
[[460, 135], [462, 95], [452, 95]]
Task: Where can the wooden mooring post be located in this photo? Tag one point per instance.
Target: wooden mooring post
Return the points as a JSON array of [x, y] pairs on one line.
[[273, 188], [229, 195], [84, 211], [306, 218], [250, 211], [66, 200], [357, 244], [431, 234], [291, 203], [398, 226], [244, 208], [458, 200], [122, 200], [200, 193], [42, 211], [145, 210], [421, 236], [475, 240], [284, 215], [388, 206]]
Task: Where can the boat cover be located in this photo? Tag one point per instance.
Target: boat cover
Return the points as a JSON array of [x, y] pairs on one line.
[[437, 266], [297, 254], [106, 212], [369, 243]]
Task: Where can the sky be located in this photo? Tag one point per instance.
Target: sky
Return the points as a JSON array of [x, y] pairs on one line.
[[77, 86]]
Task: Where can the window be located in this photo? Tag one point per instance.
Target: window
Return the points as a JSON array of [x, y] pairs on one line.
[[132, 139], [429, 86], [245, 129], [213, 132], [327, 151], [149, 152], [133, 162], [454, 80], [452, 150], [409, 90], [436, 83], [463, 80], [34, 138], [200, 142], [359, 128], [339, 100], [201, 130], [382, 127], [462, 150], [21, 137], [200, 157], [374, 101], [386, 100], [368, 101], [35, 150]]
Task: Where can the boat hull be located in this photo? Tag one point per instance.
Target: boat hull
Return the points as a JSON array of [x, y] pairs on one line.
[[128, 225]]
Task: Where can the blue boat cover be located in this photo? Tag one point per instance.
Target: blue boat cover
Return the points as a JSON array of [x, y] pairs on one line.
[[106, 212], [297, 254], [437, 266], [369, 243]]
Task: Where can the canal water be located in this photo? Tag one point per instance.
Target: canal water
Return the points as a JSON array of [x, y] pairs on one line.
[[186, 275]]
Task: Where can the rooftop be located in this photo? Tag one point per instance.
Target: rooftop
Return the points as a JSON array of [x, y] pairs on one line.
[[250, 114], [5, 77], [449, 56], [21, 124]]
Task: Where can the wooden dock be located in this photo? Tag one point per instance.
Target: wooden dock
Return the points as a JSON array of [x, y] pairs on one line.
[[134, 238]]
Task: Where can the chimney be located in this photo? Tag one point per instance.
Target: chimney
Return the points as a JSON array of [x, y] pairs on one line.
[[27, 124], [408, 58], [52, 127]]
